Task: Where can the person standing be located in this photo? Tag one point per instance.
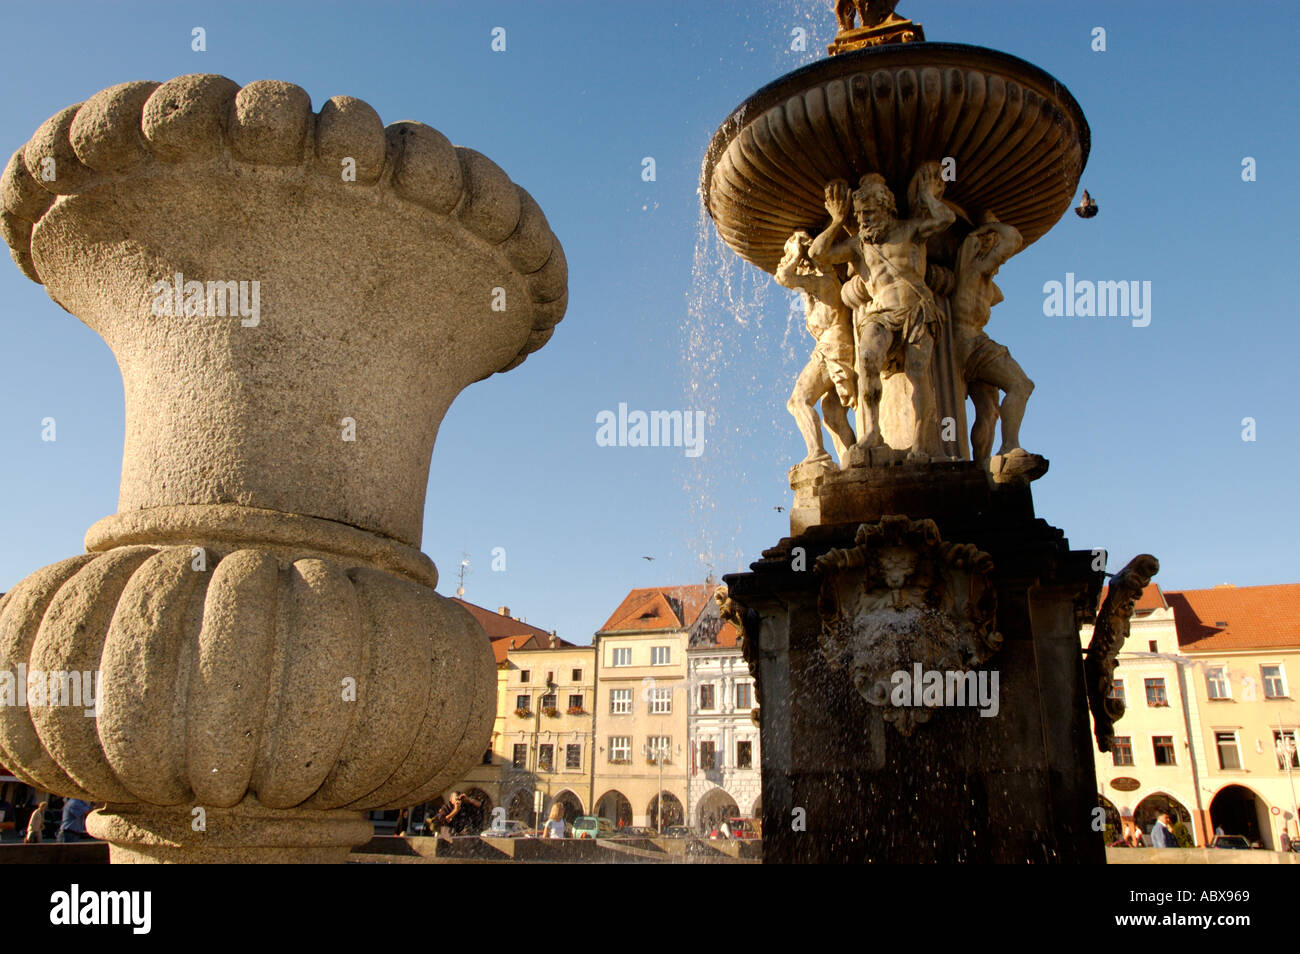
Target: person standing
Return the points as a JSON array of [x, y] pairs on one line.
[[555, 827], [72, 827], [36, 825], [1162, 835]]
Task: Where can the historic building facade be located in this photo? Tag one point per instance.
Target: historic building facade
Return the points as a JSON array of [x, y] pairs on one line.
[[496, 782], [1152, 766], [1210, 727], [724, 779], [642, 749], [547, 736]]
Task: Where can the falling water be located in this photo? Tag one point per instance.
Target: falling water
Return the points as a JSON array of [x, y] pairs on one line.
[[742, 337]]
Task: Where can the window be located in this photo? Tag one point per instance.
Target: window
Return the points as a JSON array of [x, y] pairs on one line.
[[1117, 690], [521, 757], [706, 696], [660, 655], [1285, 746], [708, 757], [1151, 646], [744, 695], [550, 678], [523, 703], [575, 700], [1274, 684], [573, 756], [661, 701], [1229, 756], [548, 701], [1164, 749], [659, 747], [1121, 750], [577, 675], [546, 757], [1156, 692], [744, 755], [487, 757], [622, 656], [525, 675], [620, 748], [1216, 683], [620, 701]]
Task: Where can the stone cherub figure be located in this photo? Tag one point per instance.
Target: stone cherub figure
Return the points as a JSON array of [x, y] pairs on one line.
[[986, 365], [829, 375], [894, 312]]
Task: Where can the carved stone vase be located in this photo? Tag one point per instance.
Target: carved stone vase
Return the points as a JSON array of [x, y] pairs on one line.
[[294, 299]]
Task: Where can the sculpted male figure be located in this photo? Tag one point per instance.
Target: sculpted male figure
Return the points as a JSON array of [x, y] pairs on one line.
[[828, 375], [987, 366], [893, 310]]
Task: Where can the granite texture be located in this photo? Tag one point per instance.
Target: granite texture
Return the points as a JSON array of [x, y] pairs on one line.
[[294, 299]]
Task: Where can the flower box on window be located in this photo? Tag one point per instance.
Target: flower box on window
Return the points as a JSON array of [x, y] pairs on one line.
[[551, 712], [523, 713], [575, 710]]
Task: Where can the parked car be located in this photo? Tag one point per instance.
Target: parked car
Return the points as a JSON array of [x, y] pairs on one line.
[[593, 826], [741, 828], [678, 831], [508, 829], [1230, 841]]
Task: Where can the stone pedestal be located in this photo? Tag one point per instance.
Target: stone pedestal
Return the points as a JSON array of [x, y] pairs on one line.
[[1014, 787]]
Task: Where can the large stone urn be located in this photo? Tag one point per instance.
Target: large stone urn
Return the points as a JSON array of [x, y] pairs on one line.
[[294, 300]]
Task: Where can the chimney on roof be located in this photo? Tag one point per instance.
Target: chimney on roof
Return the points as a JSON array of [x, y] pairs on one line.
[[512, 642], [503, 611]]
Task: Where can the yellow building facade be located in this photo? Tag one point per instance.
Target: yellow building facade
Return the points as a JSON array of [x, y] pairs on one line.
[[642, 700], [1210, 724]]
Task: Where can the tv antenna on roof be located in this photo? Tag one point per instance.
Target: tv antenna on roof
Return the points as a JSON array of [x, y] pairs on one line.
[[464, 571]]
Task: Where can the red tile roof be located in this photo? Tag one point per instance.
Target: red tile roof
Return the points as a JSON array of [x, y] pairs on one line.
[[504, 630], [497, 625], [503, 644], [666, 608], [1228, 618]]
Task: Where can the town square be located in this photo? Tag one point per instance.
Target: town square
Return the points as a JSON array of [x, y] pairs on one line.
[[711, 434]]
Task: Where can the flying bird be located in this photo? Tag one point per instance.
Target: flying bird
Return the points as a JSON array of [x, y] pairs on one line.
[[779, 509], [1087, 208], [651, 559]]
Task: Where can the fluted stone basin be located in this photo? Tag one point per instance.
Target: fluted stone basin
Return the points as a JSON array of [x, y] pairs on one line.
[[272, 659], [1018, 138]]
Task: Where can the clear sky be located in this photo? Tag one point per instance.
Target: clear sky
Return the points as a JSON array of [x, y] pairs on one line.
[[1143, 426]]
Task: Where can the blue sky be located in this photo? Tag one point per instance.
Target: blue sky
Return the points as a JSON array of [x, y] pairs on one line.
[[1142, 425]]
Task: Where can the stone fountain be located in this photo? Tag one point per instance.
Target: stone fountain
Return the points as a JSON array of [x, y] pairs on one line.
[[294, 299], [915, 638]]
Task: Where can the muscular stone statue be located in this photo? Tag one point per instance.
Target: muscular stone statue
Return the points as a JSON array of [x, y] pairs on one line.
[[986, 365], [828, 376], [893, 310]]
